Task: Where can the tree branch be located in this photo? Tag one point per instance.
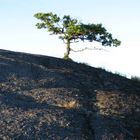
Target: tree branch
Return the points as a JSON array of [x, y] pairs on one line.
[[86, 48]]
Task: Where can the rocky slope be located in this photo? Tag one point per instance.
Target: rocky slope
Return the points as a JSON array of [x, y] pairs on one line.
[[47, 98]]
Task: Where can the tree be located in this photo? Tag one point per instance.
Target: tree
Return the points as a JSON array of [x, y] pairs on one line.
[[71, 30]]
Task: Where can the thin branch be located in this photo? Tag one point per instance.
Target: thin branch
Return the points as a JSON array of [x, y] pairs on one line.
[[86, 48]]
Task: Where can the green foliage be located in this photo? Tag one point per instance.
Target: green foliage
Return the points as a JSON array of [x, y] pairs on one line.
[[71, 30]]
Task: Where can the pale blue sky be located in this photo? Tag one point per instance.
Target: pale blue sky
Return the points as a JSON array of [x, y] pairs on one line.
[[120, 17]]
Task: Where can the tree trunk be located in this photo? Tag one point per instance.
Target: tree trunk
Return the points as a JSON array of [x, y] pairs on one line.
[[66, 55]]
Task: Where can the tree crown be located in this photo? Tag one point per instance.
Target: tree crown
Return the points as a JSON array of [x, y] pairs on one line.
[[71, 29]]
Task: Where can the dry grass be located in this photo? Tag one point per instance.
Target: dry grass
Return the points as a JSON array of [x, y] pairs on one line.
[[117, 104], [69, 105]]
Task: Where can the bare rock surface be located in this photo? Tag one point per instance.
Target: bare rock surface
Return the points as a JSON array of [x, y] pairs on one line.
[[46, 98]]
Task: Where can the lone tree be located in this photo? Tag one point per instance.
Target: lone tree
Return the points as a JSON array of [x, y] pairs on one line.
[[71, 30]]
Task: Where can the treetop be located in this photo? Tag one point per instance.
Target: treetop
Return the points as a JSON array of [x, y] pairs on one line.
[[74, 30]]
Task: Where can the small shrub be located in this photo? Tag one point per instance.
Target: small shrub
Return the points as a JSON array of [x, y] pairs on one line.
[[86, 64], [135, 78], [120, 74]]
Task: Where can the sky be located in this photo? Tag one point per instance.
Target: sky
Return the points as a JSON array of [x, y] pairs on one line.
[[120, 17]]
